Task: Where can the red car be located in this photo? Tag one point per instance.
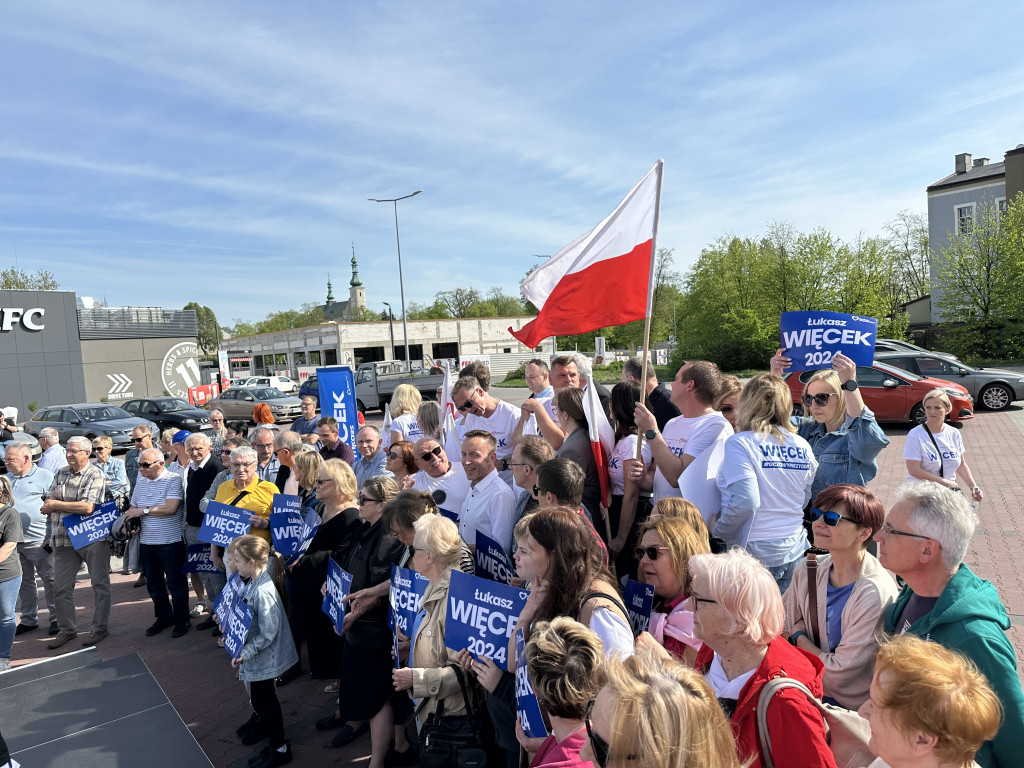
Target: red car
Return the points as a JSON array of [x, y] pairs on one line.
[[894, 394]]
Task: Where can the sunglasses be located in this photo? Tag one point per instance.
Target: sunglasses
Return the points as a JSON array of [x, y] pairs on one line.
[[466, 405], [139, 439], [831, 518], [148, 464], [727, 409], [652, 553], [363, 499], [322, 480], [394, 456], [436, 451], [599, 745], [819, 400]]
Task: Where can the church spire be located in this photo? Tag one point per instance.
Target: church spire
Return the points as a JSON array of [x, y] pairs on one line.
[[330, 291], [356, 282]]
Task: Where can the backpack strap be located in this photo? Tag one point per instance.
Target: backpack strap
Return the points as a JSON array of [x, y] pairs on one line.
[[768, 691], [613, 599]]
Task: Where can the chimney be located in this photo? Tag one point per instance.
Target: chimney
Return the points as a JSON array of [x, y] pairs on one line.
[[963, 162], [980, 161]]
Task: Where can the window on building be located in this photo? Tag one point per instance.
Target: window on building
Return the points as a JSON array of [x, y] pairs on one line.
[[964, 218], [1002, 206], [300, 358], [314, 357], [330, 357]]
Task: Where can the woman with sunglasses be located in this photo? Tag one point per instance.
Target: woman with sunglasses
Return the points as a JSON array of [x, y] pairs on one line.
[[841, 429], [927, 441], [738, 613], [401, 461], [728, 398], [851, 591], [765, 480], [114, 473], [666, 546], [654, 712], [631, 499]]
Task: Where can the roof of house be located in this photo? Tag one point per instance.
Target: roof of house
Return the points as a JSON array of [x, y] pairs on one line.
[[973, 175]]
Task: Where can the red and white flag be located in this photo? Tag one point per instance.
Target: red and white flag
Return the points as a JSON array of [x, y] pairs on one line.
[[602, 278], [602, 439]]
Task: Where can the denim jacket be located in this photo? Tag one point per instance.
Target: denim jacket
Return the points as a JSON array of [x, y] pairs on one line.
[[269, 649], [848, 455]]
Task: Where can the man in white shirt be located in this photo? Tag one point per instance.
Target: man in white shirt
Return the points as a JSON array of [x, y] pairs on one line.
[[438, 475], [490, 505], [157, 501], [488, 413], [689, 435], [53, 457]]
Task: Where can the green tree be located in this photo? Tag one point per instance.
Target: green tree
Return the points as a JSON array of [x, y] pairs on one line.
[[207, 328], [14, 279], [907, 235], [363, 315], [435, 311], [458, 300]]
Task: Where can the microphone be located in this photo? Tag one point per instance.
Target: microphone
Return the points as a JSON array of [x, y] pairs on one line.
[[439, 496]]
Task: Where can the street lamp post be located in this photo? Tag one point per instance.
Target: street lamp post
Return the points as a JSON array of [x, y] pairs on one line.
[[401, 283], [391, 326]]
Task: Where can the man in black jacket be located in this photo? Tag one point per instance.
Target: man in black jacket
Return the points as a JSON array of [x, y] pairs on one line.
[[657, 397], [199, 475]]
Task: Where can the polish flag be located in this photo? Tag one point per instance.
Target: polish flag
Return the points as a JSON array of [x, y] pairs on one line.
[[602, 278], [602, 439]]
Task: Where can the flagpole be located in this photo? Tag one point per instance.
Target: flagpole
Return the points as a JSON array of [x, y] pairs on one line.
[[650, 300]]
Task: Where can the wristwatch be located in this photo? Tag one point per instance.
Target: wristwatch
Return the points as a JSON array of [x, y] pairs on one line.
[[650, 434], [851, 385], [793, 638], [145, 512]]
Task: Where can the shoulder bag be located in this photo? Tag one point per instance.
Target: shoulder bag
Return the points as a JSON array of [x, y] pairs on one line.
[[847, 732], [812, 598], [454, 741]]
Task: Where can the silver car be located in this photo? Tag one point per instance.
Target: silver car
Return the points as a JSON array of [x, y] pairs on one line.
[[991, 388], [238, 402], [20, 437], [88, 420]]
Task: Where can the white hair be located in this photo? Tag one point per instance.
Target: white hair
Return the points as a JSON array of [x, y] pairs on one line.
[[941, 514], [243, 454], [582, 365], [49, 433], [84, 443], [200, 438]]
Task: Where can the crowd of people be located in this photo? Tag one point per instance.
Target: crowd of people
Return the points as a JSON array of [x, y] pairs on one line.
[[767, 555]]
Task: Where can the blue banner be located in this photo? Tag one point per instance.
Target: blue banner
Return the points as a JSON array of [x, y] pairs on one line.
[[339, 582], [453, 516], [491, 561], [481, 617], [239, 621], [222, 524], [309, 529], [407, 589], [84, 530], [527, 706], [811, 339], [226, 598], [338, 400], [197, 560], [286, 523], [639, 599]]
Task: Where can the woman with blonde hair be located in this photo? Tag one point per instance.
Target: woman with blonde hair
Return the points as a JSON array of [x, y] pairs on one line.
[[307, 467], [930, 707], [405, 403], [428, 415], [654, 712], [728, 398], [934, 438], [765, 480]]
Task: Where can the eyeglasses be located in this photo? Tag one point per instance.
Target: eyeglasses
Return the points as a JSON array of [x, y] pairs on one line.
[[600, 746], [237, 465], [257, 446], [322, 480], [148, 464], [363, 499], [435, 451], [888, 530], [831, 518], [281, 449], [76, 450], [139, 439], [698, 599], [819, 400], [652, 553], [412, 550]]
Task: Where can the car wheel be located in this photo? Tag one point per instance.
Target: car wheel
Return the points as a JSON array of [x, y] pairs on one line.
[[361, 408], [917, 415], [996, 397]]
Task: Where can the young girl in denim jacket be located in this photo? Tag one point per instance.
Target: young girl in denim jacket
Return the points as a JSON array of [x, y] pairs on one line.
[[268, 650]]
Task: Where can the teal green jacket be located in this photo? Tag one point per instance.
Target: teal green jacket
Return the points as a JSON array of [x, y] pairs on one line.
[[968, 617]]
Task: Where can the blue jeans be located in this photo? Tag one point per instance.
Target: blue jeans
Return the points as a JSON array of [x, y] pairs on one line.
[[8, 598], [783, 574], [163, 564]]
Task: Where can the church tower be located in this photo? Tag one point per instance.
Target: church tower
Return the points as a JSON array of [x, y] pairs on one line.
[[356, 292]]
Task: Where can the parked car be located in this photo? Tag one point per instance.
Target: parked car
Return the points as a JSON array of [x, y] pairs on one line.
[[89, 420], [20, 437], [894, 394], [167, 412], [310, 387], [895, 345], [237, 403], [992, 388], [282, 383]]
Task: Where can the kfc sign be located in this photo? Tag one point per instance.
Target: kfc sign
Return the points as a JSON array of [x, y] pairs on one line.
[[29, 319]]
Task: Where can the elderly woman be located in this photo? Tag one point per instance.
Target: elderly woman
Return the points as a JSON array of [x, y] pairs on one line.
[[631, 500], [842, 431], [564, 661], [405, 402], [115, 476], [246, 491], [218, 432], [428, 678], [654, 712], [738, 614], [930, 707], [728, 398], [576, 447], [851, 591], [927, 442], [10, 570], [666, 546], [766, 479], [401, 461]]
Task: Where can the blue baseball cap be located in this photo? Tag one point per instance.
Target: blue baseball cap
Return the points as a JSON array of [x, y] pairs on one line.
[[181, 436]]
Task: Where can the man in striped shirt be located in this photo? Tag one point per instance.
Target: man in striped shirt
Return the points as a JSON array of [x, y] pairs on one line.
[[157, 501]]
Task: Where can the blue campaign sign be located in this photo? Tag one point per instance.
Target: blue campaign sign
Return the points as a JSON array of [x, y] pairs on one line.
[[309, 529], [222, 524], [453, 516], [811, 339], [639, 599], [339, 582], [482, 615], [527, 706], [491, 561], [197, 560], [407, 589], [239, 621], [286, 523], [226, 598], [84, 530], [338, 399]]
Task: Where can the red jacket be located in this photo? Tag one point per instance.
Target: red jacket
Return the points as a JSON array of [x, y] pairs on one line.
[[797, 728]]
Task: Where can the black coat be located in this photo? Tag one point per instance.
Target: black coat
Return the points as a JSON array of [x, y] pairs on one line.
[[199, 482]]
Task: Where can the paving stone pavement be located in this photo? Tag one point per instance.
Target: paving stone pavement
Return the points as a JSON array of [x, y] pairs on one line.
[[197, 677]]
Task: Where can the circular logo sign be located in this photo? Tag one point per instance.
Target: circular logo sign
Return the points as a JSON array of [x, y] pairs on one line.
[[180, 369]]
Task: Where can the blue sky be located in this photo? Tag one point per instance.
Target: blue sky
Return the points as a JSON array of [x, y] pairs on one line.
[[158, 153]]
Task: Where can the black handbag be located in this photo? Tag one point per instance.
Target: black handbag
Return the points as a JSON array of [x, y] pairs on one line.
[[456, 741]]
